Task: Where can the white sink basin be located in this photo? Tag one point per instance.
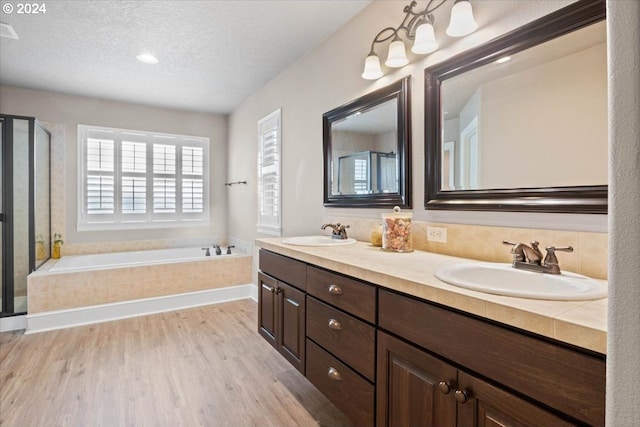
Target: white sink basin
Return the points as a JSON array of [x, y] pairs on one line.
[[317, 241], [503, 279]]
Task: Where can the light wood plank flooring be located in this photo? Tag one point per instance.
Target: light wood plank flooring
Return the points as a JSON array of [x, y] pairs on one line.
[[204, 366]]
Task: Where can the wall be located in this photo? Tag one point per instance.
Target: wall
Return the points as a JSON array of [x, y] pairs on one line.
[[62, 114], [623, 339], [329, 76]]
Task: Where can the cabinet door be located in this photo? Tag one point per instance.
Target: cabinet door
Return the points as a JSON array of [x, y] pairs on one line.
[[414, 388], [291, 336], [267, 308], [483, 405]]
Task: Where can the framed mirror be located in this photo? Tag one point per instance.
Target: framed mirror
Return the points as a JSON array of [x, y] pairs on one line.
[[520, 123], [367, 150]]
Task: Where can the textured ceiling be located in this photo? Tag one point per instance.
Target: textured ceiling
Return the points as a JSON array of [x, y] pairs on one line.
[[213, 54]]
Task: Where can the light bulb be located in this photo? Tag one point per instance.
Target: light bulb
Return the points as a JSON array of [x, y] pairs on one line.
[[462, 22], [397, 56], [372, 70], [425, 39]]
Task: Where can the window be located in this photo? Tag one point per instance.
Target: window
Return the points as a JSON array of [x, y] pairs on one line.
[[133, 179], [269, 142]]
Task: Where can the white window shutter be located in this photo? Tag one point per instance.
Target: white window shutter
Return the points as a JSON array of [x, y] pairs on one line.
[[269, 174]]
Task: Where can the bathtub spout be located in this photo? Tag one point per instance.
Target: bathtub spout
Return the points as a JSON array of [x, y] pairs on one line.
[[218, 250]]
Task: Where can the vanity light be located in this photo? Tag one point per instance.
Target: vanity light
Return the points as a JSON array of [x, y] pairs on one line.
[[147, 58], [419, 28]]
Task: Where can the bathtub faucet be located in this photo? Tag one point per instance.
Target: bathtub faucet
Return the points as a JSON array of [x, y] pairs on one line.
[[207, 253], [218, 250], [229, 249]]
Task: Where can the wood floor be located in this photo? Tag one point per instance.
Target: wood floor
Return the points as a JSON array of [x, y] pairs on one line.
[[204, 366]]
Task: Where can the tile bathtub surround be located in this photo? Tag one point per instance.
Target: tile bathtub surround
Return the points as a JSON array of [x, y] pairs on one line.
[[58, 291], [484, 243]]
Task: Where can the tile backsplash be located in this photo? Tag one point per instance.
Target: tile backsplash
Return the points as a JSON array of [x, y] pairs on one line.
[[484, 243]]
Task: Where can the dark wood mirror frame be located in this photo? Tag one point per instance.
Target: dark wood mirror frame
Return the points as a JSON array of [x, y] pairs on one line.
[[400, 91], [579, 199]]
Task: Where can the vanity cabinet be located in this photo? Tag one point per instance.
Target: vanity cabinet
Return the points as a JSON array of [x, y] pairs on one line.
[[390, 359], [542, 383], [282, 306]]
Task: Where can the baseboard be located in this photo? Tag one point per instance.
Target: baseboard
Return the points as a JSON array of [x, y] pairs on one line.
[[60, 319], [14, 323]]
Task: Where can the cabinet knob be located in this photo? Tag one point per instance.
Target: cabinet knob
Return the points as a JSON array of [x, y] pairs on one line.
[[278, 290], [444, 387], [462, 396], [334, 324], [334, 374], [335, 290]]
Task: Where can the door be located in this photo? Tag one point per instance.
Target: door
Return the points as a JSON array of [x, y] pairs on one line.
[[481, 404], [267, 310], [414, 388], [291, 339]]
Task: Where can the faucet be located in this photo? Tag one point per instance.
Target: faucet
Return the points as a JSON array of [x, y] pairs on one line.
[[229, 249], [218, 250], [207, 253], [339, 230], [529, 258]]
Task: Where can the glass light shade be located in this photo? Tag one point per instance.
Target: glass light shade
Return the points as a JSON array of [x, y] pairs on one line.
[[462, 22], [372, 70], [397, 55], [425, 39]]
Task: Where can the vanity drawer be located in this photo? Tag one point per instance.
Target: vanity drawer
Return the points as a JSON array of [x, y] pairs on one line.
[[357, 298], [283, 268], [345, 388], [349, 339]]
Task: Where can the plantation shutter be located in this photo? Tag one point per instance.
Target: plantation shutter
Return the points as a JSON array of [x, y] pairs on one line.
[[269, 189]]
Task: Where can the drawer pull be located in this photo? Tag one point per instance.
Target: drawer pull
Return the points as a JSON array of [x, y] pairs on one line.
[[334, 374], [335, 290], [335, 325], [462, 396], [444, 387]]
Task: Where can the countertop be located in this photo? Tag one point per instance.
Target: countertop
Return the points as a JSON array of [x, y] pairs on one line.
[[580, 323]]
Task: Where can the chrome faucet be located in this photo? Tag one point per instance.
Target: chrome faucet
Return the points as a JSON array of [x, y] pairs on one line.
[[339, 230], [529, 258]]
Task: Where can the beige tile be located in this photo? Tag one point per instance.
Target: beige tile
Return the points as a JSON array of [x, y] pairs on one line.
[[462, 299], [594, 251]]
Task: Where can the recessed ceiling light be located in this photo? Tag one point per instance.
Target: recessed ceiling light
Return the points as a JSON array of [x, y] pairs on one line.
[[147, 58], [503, 59]]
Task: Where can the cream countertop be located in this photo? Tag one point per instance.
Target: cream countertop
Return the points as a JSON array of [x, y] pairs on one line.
[[581, 323]]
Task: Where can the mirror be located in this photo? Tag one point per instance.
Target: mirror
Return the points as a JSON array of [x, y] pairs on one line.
[[367, 150], [527, 133]]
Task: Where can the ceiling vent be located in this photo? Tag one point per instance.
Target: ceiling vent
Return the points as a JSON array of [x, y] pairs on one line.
[[7, 31]]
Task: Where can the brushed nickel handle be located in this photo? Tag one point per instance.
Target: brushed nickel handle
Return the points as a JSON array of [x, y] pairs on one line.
[[444, 387], [335, 325], [334, 374], [267, 287], [335, 290], [462, 396]]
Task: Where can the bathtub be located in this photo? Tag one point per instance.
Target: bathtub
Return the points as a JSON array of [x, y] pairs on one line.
[[81, 281], [135, 258]]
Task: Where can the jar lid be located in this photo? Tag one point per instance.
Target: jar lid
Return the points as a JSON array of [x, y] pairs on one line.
[[397, 214]]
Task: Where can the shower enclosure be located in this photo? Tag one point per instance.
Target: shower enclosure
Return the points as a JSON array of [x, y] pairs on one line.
[[25, 216]]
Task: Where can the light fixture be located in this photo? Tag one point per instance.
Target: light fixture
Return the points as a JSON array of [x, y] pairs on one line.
[[503, 60], [418, 27], [147, 58]]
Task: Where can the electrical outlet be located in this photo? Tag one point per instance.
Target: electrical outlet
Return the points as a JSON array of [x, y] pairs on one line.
[[437, 234]]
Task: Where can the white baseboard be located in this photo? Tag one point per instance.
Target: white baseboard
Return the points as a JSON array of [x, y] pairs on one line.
[[60, 319], [14, 323]]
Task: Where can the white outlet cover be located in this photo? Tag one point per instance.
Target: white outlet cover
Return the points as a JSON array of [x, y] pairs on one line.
[[437, 234]]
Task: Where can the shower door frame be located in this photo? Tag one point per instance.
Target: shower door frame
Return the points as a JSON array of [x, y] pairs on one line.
[[8, 288]]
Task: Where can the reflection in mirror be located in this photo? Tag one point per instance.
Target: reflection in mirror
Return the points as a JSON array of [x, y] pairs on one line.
[[521, 122], [366, 150]]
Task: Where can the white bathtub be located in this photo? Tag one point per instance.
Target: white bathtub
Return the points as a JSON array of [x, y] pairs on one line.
[[135, 258]]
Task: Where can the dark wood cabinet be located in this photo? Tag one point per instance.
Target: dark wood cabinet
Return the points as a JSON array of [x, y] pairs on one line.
[[390, 359], [282, 312], [414, 388]]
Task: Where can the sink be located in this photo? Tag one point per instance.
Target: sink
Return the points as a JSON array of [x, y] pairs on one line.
[[317, 241], [503, 279]]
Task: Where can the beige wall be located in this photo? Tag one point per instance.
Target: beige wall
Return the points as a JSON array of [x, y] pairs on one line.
[[329, 76], [63, 113]]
